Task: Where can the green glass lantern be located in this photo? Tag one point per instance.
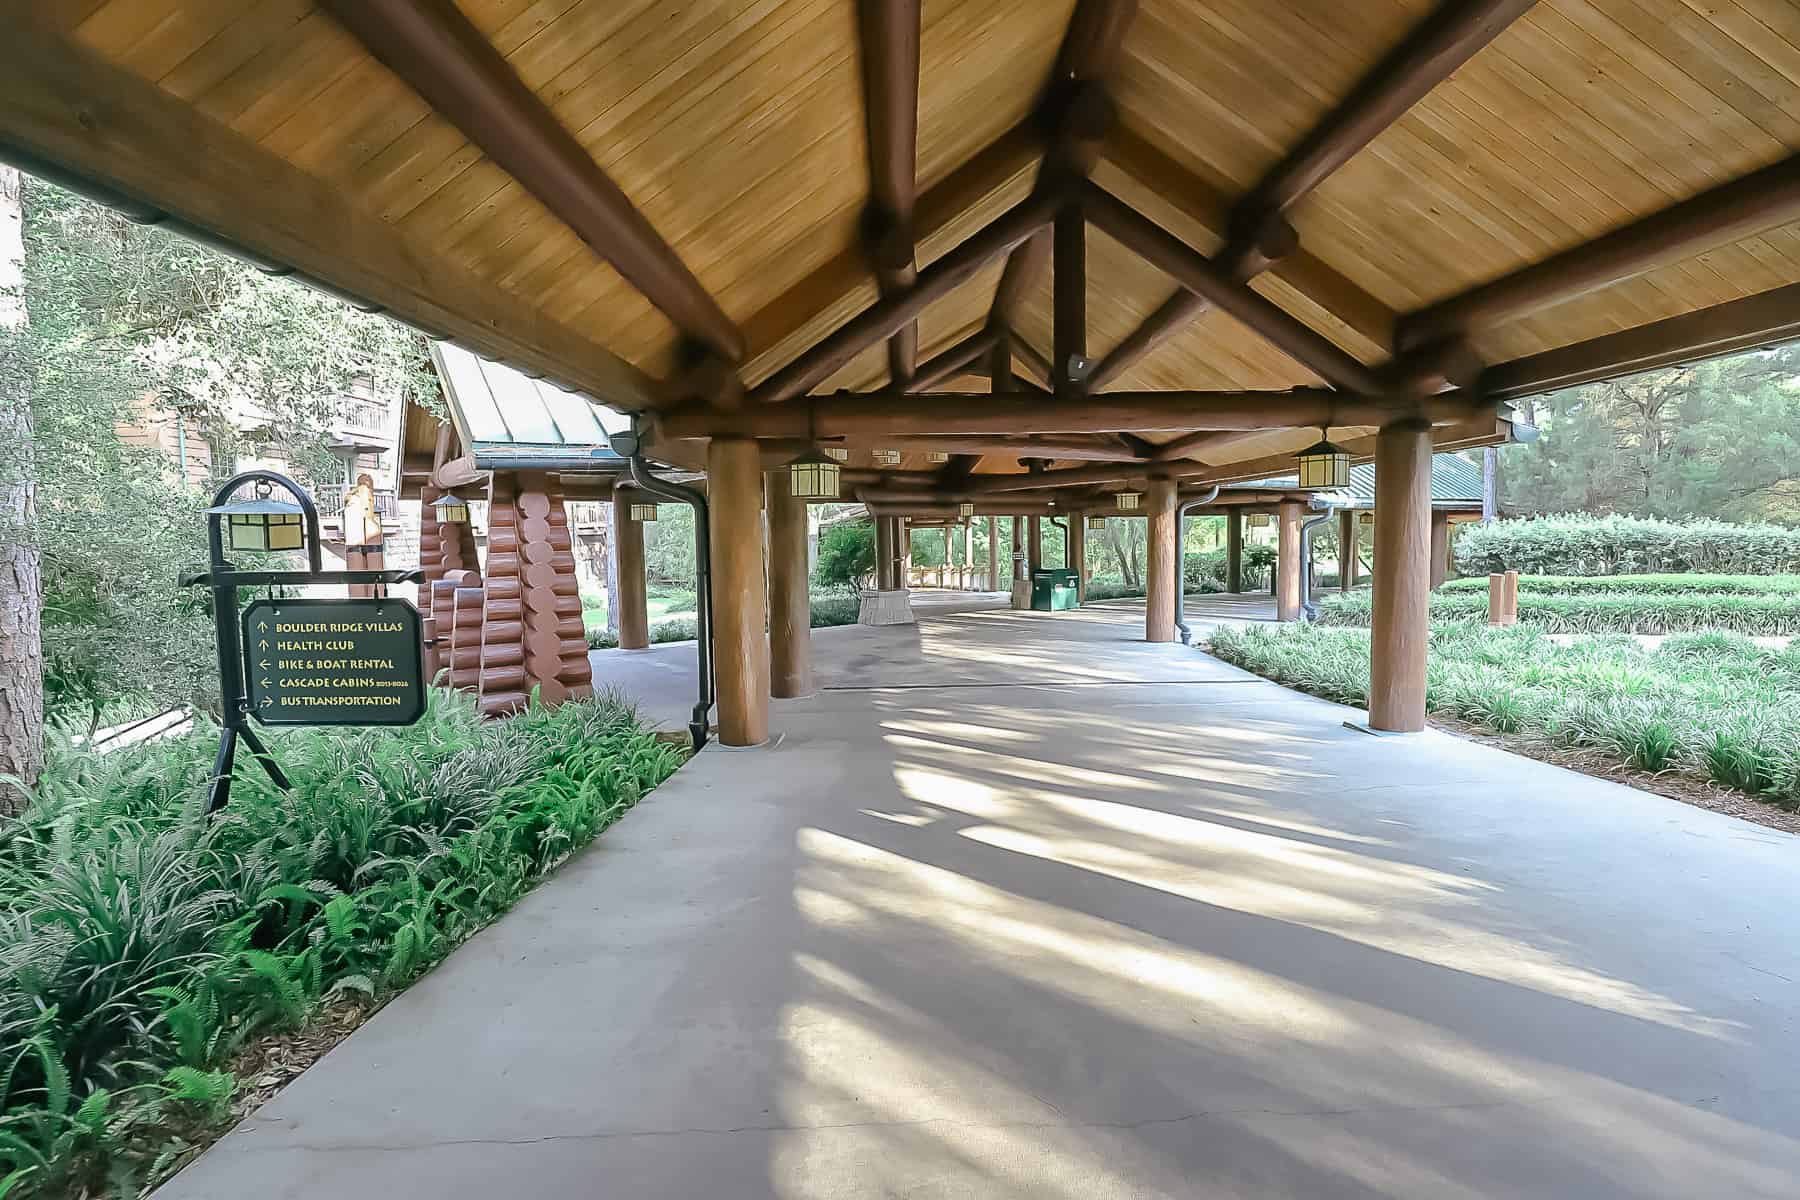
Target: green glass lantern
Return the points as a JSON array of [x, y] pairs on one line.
[[643, 512], [1324, 465], [262, 524], [451, 509], [813, 476]]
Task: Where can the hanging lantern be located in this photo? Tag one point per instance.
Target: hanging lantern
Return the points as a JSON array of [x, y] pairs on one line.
[[837, 452], [451, 509], [1096, 523], [966, 509], [1367, 518], [885, 458], [1324, 465], [262, 525], [643, 512], [1259, 520], [812, 476], [1128, 501], [937, 456]]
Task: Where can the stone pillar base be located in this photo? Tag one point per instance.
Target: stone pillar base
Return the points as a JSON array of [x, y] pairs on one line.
[[886, 608], [1021, 593]]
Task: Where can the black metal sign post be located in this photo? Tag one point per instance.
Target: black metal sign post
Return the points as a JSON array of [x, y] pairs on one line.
[[234, 665]]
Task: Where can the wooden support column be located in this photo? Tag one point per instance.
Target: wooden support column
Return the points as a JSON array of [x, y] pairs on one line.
[[968, 554], [1160, 561], [1347, 564], [1440, 548], [993, 572], [884, 554], [1077, 551], [628, 540], [790, 604], [1402, 578], [740, 610], [1234, 552], [903, 536], [1287, 563], [1034, 561]]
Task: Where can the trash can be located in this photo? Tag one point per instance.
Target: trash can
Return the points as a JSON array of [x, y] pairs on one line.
[[1054, 590]]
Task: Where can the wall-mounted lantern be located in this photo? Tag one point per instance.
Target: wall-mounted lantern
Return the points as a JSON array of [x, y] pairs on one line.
[[451, 509]]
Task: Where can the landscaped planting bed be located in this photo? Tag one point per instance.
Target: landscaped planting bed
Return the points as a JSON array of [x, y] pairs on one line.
[[1638, 585], [144, 949], [1605, 610], [1709, 706]]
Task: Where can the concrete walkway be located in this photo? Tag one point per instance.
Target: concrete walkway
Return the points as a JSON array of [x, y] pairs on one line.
[[1022, 907]]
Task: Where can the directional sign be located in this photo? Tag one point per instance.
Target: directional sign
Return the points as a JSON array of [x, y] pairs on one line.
[[334, 662]]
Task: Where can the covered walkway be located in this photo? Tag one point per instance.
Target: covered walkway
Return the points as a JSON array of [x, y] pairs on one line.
[[1024, 906]]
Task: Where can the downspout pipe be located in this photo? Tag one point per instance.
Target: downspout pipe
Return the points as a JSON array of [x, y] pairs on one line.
[[628, 445], [1062, 523], [1187, 635], [1329, 505]]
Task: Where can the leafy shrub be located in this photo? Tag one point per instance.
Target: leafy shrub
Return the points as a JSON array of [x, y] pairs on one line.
[[1615, 545], [141, 944], [846, 554], [1710, 706]]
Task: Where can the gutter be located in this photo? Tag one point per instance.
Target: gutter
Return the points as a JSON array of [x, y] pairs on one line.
[[1187, 635]]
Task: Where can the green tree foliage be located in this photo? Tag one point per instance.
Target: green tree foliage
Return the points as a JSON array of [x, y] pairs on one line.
[[669, 545], [1713, 439], [846, 554], [126, 320]]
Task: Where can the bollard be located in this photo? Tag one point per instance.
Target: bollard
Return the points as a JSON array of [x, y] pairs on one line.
[[1512, 597], [1496, 599]]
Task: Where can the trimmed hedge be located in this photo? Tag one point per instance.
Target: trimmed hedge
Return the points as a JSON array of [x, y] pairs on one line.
[[827, 611], [1607, 585], [1583, 545], [1660, 612]]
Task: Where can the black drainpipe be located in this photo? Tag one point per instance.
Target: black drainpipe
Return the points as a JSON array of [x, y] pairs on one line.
[[628, 445], [1187, 635], [1062, 523], [1330, 506]]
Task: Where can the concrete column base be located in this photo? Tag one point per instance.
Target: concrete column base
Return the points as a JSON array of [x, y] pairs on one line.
[[1021, 593], [886, 608]]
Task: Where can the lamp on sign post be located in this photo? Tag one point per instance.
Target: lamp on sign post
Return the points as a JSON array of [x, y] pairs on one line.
[[263, 524]]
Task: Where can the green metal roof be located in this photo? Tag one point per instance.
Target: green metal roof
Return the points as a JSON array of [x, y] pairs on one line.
[[1455, 483], [510, 420]]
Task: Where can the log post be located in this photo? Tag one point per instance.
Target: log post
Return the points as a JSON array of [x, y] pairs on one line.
[[1402, 577], [790, 604], [993, 572], [903, 537], [884, 554], [1234, 552], [1347, 564], [968, 555], [740, 612], [1160, 562], [1496, 598], [1440, 548], [1077, 552], [628, 541], [1035, 560], [1512, 597], [1287, 563]]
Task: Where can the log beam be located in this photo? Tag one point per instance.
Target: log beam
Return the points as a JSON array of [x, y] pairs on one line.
[[1069, 319], [1764, 319], [888, 32], [1022, 415], [1200, 275], [1725, 214], [68, 115], [958, 359], [886, 316], [441, 55]]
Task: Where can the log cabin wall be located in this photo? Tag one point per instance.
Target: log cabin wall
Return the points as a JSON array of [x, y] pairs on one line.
[[504, 687]]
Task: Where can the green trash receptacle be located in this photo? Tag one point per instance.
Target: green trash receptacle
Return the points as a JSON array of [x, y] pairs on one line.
[[1054, 590]]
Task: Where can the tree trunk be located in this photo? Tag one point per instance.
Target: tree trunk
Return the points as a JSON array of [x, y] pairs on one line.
[[21, 579]]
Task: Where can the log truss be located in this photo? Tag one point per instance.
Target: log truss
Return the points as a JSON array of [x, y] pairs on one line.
[[67, 110]]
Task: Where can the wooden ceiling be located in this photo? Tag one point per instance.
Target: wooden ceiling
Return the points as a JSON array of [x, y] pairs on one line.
[[738, 134]]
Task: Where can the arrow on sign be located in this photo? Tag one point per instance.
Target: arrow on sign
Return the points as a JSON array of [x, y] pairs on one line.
[[263, 645], [266, 702], [262, 627], [263, 663], [265, 682]]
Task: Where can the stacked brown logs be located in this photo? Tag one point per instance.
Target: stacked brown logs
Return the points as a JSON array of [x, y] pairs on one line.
[[504, 688], [556, 661], [467, 603]]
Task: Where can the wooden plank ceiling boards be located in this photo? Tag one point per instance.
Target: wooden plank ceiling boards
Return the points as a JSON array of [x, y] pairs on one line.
[[686, 206]]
